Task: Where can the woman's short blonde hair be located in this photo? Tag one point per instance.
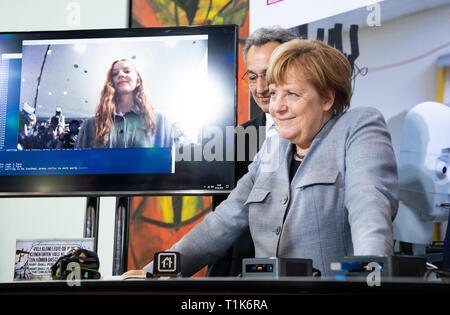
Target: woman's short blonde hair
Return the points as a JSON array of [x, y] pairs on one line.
[[325, 67]]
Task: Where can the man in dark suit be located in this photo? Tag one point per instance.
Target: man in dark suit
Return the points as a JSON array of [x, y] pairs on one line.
[[257, 51]]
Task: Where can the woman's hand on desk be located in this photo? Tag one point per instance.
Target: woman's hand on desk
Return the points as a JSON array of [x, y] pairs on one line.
[[134, 273]]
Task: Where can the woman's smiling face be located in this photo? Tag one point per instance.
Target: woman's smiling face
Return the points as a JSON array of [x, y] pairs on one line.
[[297, 109], [124, 77]]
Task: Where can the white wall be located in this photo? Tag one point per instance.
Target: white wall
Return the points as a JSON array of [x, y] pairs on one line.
[[36, 218], [36, 15], [56, 217], [396, 90]]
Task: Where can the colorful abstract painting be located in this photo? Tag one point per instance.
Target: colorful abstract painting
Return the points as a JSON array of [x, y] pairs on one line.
[[148, 13], [158, 222]]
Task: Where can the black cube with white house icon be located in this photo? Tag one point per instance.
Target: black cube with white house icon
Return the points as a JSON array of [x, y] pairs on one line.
[[166, 264]]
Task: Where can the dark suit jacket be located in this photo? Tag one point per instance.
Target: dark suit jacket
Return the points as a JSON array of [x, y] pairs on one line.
[[231, 263], [241, 167]]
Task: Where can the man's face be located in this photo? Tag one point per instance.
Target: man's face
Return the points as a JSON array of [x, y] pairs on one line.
[[257, 62]]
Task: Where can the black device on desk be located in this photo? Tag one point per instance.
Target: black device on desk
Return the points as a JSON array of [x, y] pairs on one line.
[[389, 266], [166, 264], [275, 267]]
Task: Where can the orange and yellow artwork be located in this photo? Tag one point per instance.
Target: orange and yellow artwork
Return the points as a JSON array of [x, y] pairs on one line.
[[154, 13], [156, 223]]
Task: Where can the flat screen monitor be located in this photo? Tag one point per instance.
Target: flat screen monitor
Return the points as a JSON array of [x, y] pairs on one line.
[[120, 111]]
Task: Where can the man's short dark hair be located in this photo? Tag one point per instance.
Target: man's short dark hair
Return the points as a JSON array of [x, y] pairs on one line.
[[262, 36]]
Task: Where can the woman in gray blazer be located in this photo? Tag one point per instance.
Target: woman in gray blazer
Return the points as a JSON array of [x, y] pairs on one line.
[[324, 188]]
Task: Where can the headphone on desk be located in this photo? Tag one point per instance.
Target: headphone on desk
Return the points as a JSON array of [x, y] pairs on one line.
[[76, 260]]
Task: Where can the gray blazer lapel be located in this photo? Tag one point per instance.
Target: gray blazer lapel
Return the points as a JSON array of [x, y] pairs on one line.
[[317, 170]]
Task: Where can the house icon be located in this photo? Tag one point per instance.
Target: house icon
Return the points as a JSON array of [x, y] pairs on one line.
[[167, 262]]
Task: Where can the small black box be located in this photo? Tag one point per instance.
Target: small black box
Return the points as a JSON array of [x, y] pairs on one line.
[[274, 267], [166, 264]]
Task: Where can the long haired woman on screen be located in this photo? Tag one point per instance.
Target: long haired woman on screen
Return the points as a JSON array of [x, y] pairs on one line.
[[124, 117]]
